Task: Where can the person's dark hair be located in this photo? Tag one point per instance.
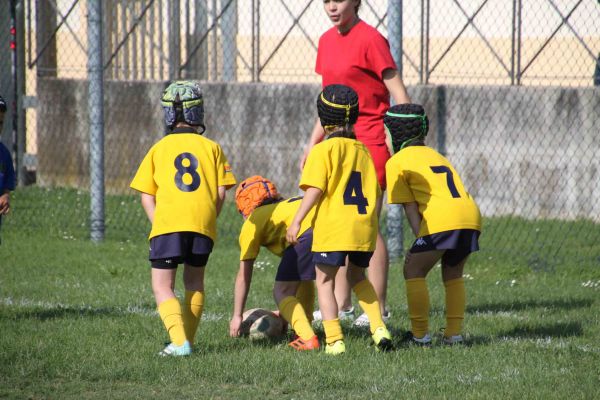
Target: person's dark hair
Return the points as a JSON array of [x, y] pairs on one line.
[[337, 106], [357, 7], [407, 124]]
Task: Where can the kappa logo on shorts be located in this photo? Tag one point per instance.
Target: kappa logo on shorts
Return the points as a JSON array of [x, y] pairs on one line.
[[420, 242], [324, 255], [169, 261]]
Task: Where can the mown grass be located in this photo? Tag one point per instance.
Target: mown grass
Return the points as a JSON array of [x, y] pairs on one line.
[[78, 321]]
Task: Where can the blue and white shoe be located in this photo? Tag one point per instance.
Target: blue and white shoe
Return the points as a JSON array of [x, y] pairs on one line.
[[177, 351]]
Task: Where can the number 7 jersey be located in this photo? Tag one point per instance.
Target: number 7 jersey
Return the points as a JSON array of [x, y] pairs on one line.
[[183, 171], [346, 216], [422, 175]]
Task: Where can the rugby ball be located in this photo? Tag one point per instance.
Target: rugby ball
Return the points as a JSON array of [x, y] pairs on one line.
[[259, 323]]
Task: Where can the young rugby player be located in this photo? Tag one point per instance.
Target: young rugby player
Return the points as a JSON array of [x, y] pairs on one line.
[[266, 219], [7, 170], [340, 180], [182, 180], [441, 213]]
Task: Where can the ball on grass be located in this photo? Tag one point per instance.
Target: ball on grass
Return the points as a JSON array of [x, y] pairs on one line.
[[259, 323]]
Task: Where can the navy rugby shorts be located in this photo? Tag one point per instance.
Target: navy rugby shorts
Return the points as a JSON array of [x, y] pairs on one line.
[[169, 250]]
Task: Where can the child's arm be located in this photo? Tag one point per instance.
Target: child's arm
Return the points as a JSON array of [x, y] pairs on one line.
[[311, 197], [240, 294], [5, 202], [414, 217], [149, 205], [221, 191]]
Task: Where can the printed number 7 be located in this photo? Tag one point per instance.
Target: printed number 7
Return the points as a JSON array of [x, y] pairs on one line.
[[442, 169], [353, 195]]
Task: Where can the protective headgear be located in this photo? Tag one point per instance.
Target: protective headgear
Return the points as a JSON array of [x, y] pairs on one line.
[[405, 123], [182, 102], [337, 105], [253, 192], [2, 105]]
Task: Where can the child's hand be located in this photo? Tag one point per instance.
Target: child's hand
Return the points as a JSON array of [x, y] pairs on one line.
[[235, 325], [4, 204], [292, 233]]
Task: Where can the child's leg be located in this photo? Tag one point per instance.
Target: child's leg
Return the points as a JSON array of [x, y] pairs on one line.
[[306, 296], [367, 298], [416, 267], [343, 295], [193, 305], [163, 283], [378, 271], [291, 309], [327, 303], [455, 297]]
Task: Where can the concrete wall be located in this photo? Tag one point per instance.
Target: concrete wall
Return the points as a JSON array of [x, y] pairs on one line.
[[530, 152]]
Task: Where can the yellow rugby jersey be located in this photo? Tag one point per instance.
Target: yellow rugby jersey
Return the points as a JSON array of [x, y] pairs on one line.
[[183, 171], [346, 217], [267, 226], [421, 174]]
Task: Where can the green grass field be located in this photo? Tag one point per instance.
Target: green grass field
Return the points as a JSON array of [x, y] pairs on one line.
[[78, 321]]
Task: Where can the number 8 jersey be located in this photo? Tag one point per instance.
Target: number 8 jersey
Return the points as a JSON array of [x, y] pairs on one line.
[[183, 171], [346, 216], [422, 175]]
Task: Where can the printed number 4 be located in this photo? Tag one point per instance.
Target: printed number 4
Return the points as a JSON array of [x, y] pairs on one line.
[[442, 169], [191, 169], [353, 195]]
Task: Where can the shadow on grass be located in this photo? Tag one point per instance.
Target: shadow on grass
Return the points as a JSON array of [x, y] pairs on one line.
[[77, 312], [558, 330], [515, 305]]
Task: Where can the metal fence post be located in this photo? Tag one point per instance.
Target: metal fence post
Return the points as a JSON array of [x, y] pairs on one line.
[[96, 119], [174, 39], [229, 32], [395, 232]]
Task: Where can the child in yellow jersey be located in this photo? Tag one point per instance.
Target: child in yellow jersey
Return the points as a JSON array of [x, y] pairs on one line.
[[441, 213], [340, 181], [182, 180], [267, 217]]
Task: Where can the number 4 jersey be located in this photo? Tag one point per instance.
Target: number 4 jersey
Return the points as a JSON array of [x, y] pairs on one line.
[[183, 171], [422, 175], [346, 216]]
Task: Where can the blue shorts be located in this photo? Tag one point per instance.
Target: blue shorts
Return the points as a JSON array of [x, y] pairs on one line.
[[338, 258], [296, 263], [458, 244], [169, 250]]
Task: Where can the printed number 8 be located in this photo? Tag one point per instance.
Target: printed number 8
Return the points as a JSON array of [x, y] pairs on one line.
[[183, 170]]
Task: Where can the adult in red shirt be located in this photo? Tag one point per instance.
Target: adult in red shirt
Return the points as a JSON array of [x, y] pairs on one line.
[[355, 54]]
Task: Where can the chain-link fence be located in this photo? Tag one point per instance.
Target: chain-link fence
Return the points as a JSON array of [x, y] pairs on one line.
[[509, 87]]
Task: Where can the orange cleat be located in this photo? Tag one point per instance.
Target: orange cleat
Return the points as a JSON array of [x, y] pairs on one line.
[[310, 344]]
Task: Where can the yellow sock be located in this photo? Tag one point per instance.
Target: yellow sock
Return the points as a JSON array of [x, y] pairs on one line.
[[455, 306], [333, 330], [367, 299], [293, 312], [306, 296], [417, 297], [192, 312], [170, 313]]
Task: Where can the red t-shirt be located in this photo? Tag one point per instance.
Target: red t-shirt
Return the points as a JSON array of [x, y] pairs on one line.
[[358, 59]]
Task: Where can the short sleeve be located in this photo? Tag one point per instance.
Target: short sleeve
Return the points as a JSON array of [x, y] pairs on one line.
[[398, 189], [224, 171], [379, 55], [316, 171], [143, 180], [249, 240]]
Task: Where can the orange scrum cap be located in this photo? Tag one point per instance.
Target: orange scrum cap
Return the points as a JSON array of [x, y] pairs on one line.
[[253, 192]]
